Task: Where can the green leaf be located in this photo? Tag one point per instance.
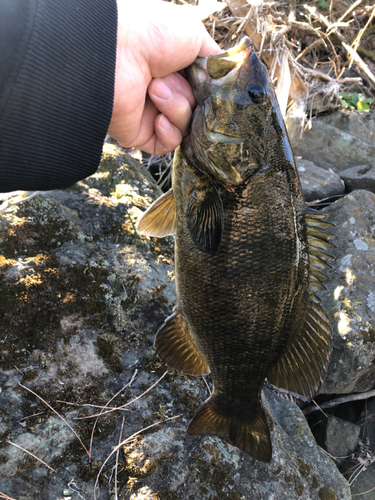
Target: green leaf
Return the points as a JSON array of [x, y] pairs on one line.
[[363, 106]]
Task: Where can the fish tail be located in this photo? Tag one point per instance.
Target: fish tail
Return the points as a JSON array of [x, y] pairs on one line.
[[251, 435]]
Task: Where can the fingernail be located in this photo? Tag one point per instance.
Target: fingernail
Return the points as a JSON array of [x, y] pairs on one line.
[[165, 123], [161, 89]]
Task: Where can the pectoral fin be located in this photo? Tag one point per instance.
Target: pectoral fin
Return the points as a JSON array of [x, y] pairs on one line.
[[205, 217], [301, 368], [175, 346], [159, 220]]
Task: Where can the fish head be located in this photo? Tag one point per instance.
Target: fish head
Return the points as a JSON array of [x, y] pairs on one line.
[[232, 125]]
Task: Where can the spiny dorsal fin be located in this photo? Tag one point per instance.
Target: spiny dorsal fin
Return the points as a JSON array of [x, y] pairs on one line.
[[159, 220], [301, 368], [205, 217], [250, 435], [175, 346]]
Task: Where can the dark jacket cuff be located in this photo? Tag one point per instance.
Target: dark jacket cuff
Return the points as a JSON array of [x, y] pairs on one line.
[[56, 90]]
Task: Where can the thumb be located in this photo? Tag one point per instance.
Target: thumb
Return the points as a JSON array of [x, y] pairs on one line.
[[209, 46]]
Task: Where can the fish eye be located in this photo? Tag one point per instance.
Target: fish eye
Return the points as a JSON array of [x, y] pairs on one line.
[[256, 92]]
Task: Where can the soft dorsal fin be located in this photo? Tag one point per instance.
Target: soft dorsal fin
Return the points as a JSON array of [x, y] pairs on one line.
[[175, 346], [301, 368], [205, 217], [159, 220]]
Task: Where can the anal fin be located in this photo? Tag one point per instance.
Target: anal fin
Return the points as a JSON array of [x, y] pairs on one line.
[[159, 220], [250, 435], [175, 346]]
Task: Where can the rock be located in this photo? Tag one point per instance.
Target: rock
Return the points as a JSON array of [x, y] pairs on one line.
[[81, 297], [354, 122], [318, 183], [341, 437], [367, 420], [364, 483], [209, 467], [350, 296], [329, 147], [359, 468], [360, 177]]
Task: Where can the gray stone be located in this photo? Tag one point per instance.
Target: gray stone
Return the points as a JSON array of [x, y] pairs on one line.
[[341, 437], [354, 122], [367, 421], [82, 295], [318, 183], [208, 467], [360, 177], [363, 485], [329, 147], [350, 295]]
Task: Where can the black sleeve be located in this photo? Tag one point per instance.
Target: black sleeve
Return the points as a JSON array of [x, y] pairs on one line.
[[57, 68]]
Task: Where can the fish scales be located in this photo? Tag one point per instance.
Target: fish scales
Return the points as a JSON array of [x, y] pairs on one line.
[[241, 302], [247, 308]]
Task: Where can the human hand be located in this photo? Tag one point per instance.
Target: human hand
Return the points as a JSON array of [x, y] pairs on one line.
[[153, 103]]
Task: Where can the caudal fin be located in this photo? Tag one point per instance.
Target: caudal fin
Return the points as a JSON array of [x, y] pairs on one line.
[[251, 435]]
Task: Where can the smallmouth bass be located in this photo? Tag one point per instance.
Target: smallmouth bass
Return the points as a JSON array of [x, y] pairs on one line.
[[249, 256]]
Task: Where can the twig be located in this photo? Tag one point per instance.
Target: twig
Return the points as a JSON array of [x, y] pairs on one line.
[[3, 495], [323, 76], [125, 405], [29, 416], [364, 493], [357, 40], [8, 204], [130, 438], [29, 453], [306, 28], [326, 452], [83, 405], [355, 56], [358, 59], [117, 454], [72, 486], [54, 411], [208, 387], [225, 25], [96, 421], [310, 47], [281, 33], [339, 401], [350, 10], [319, 408]]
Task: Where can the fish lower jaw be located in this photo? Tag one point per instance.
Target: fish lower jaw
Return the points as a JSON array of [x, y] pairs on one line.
[[216, 137]]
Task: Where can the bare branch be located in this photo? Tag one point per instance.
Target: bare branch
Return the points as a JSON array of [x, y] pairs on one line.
[[5, 497], [29, 453], [130, 438], [339, 401], [7, 204], [54, 411]]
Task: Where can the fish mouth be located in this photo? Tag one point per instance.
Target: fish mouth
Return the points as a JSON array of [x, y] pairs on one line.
[[220, 65], [222, 138], [218, 69]]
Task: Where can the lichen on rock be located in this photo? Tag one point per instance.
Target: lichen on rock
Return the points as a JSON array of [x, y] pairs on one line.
[[82, 295]]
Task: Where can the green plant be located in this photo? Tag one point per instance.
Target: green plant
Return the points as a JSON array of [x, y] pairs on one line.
[[323, 4], [356, 101]]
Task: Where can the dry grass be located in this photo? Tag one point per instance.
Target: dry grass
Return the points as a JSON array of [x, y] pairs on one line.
[[310, 50]]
